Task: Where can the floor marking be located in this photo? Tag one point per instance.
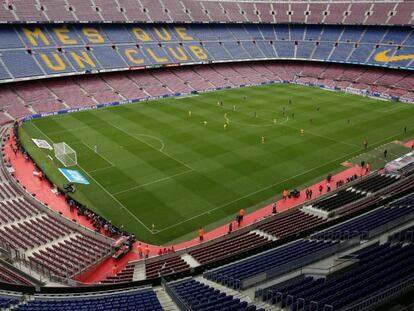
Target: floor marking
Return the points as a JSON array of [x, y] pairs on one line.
[[101, 169], [255, 192], [228, 120], [387, 140], [99, 154], [396, 107], [70, 130], [163, 152], [103, 188], [381, 143], [154, 137], [246, 124], [322, 136], [306, 132], [153, 182], [185, 96]]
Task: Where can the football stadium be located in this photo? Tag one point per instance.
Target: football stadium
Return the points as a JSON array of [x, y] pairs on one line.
[[204, 155]]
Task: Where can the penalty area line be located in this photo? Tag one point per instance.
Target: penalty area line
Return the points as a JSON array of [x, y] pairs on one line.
[[116, 200], [100, 169], [99, 154], [103, 188]]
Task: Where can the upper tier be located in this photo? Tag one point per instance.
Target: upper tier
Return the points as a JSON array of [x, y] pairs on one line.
[[366, 12], [39, 51]]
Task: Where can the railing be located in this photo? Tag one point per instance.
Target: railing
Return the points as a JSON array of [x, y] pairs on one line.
[[182, 305], [380, 297], [289, 266], [19, 255], [21, 273]]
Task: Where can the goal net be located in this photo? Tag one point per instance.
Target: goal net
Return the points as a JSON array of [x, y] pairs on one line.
[[65, 154]]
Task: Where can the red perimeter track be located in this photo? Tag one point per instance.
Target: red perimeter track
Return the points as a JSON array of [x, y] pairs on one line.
[[42, 189]]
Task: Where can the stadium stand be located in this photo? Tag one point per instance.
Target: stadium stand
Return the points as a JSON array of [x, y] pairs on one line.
[[92, 90], [190, 294], [352, 196], [125, 275], [8, 299], [43, 51], [372, 223], [105, 49], [132, 299], [288, 224], [404, 236], [228, 247], [48, 242], [164, 267], [11, 275], [271, 263], [376, 182], [338, 199], [376, 267], [367, 12]]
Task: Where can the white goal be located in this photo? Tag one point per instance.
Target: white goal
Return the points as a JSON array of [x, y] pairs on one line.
[[65, 154]]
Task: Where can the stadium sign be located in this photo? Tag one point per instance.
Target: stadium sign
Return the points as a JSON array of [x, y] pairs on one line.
[[41, 143], [74, 176]]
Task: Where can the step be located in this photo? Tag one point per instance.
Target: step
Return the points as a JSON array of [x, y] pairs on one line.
[[190, 260], [259, 304], [266, 306], [139, 271], [264, 234], [166, 302], [224, 289]]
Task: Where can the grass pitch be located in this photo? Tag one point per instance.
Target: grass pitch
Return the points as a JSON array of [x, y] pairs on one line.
[[159, 164]]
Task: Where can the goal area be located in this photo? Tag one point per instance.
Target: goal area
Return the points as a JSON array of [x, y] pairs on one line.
[[65, 154]]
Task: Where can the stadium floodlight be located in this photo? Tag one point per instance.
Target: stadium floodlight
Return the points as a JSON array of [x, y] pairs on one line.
[[65, 154]]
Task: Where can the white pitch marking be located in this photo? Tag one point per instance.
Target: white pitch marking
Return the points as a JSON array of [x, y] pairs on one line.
[[307, 132], [71, 130], [101, 169], [103, 188], [185, 96], [163, 152], [107, 160], [253, 193], [154, 137], [153, 182]]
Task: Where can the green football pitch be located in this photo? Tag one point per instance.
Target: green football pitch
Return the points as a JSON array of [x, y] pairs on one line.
[[163, 168]]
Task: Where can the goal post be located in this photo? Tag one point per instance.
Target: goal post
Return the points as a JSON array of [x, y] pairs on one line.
[[65, 154]]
